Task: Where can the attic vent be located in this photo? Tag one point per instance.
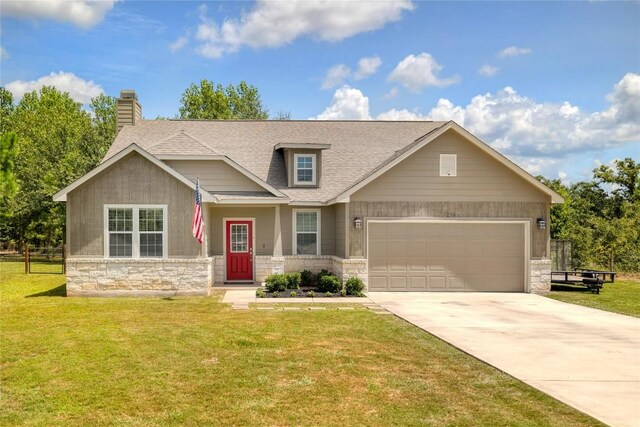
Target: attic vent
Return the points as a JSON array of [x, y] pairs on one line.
[[448, 165]]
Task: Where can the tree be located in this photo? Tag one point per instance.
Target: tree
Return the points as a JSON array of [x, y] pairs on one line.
[[6, 108], [282, 115], [211, 101], [104, 125], [8, 182]]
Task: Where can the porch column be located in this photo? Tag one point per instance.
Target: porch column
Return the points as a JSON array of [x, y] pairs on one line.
[[277, 235]]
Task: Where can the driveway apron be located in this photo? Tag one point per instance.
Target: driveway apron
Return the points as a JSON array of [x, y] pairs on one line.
[[587, 358]]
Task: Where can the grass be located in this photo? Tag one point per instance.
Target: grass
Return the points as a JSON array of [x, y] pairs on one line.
[[622, 296], [194, 361]]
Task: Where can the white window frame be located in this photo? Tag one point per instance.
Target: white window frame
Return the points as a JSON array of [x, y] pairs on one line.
[[455, 164], [294, 226], [135, 239], [313, 169]]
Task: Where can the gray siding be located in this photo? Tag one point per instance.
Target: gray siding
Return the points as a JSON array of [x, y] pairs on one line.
[[327, 229], [526, 210], [133, 180], [480, 178], [264, 227], [290, 165], [215, 175]]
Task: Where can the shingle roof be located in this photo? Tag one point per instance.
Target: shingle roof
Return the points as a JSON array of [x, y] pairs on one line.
[[357, 147]]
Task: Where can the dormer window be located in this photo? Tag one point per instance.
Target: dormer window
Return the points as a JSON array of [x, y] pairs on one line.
[[304, 169]]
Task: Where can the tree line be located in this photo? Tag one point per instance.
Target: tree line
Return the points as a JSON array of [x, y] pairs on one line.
[[48, 140]]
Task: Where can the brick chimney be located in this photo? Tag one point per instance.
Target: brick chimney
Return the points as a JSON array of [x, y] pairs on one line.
[[129, 111]]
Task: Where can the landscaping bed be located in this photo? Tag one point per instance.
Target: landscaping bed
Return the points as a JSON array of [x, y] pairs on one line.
[[309, 285]]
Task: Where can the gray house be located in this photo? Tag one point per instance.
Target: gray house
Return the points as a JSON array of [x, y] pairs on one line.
[[406, 206]]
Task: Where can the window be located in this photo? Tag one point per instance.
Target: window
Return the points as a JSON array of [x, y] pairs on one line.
[[304, 169], [306, 232], [448, 165], [239, 238], [135, 231]]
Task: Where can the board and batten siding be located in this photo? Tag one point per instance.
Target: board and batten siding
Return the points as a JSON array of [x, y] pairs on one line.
[[327, 229], [135, 181], [480, 178], [264, 227], [215, 175], [539, 240], [340, 229]]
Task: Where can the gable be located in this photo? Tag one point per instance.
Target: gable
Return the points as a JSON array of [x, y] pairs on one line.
[[215, 175], [479, 177]]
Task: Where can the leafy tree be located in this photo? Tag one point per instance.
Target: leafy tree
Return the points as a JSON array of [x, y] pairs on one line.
[[6, 108], [8, 182], [282, 115], [211, 101], [104, 125]]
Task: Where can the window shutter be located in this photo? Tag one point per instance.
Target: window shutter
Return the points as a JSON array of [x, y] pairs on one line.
[[448, 165]]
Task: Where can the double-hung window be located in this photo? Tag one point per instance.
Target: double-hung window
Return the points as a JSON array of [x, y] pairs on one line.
[[306, 231], [304, 169], [136, 231]]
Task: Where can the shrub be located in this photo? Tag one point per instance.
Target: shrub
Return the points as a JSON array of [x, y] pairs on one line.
[[323, 273], [275, 295], [276, 282], [311, 294], [329, 283], [328, 294], [306, 278], [343, 292], [354, 286], [293, 294], [260, 293], [293, 280]]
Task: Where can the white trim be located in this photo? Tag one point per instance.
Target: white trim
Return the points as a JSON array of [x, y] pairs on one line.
[[135, 238], [308, 204], [224, 248], [294, 235], [301, 146], [61, 196], [256, 201], [424, 140], [189, 157], [525, 223], [314, 169]]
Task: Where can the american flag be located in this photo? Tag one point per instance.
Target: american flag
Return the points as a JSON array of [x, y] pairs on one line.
[[197, 227]]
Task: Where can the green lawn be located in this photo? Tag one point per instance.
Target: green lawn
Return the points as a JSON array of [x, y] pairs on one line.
[[620, 297], [194, 361]]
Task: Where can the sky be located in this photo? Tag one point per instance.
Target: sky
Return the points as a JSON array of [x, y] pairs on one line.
[[554, 86]]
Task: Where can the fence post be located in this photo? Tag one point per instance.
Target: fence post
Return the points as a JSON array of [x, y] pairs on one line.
[[27, 267]]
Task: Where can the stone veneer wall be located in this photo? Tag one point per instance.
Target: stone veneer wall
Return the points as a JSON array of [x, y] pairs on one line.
[[540, 276], [346, 268], [115, 277]]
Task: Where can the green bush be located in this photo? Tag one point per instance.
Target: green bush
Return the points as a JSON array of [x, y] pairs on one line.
[[354, 286], [276, 282], [311, 294], [323, 273], [306, 278], [293, 294], [293, 280], [328, 294], [275, 295], [343, 292], [329, 283], [260, 293]]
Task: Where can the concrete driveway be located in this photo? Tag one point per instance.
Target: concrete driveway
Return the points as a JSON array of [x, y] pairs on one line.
[[587, 358]]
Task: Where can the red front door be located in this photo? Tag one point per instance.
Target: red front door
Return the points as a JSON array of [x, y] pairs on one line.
[[239, 236]]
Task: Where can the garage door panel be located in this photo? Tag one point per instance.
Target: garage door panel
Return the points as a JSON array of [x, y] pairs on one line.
[[454, 256]]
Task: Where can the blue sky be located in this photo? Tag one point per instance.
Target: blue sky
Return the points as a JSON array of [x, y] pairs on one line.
[[554, 86]]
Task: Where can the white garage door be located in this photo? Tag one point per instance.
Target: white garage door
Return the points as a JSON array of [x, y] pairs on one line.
[[452, 256]]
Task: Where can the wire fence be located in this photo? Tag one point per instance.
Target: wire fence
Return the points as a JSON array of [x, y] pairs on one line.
[[33, 260]]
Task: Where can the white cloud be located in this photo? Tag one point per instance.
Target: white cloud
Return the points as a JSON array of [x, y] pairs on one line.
[[488, 70], [178, 44], [336, 76], [391, 94], [403, 114], [367, 66], [3, 53], [519, 126], [80, 90], [271, 24], [82, 13], [347, 104], [417, 72], [513, 51]]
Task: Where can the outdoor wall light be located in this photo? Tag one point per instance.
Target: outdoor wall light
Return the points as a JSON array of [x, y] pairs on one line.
[[357, 222], [542, 224]]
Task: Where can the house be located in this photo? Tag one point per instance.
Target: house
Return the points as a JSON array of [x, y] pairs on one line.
[[406, 206]]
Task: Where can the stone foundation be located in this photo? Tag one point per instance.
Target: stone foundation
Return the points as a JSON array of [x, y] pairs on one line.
[[138, 277], [346, 268], [540, 276]]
